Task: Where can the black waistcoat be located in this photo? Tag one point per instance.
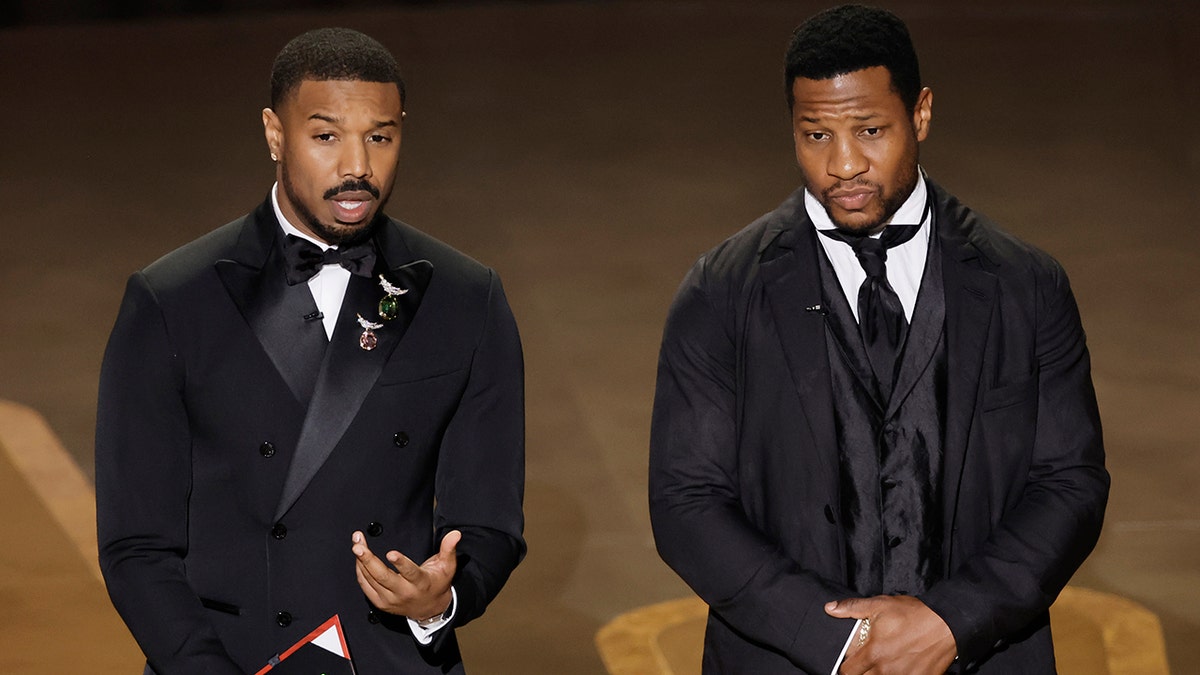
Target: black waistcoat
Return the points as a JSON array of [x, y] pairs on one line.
[[890, 451]]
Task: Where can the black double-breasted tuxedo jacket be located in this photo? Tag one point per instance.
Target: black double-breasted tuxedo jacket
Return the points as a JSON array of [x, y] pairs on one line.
[[237, 449], [744, 467]]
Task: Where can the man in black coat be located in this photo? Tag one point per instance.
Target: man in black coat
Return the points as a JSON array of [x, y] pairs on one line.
[[313, 410], [875, 444]]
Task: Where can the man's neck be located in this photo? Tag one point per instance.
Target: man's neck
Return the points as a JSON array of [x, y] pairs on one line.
[[288, 226]]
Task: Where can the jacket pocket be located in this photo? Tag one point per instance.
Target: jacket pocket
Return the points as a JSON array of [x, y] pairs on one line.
[[219, 606], [1010, 394]]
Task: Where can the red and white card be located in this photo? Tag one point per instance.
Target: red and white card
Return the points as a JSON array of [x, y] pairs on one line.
[[321, 652]]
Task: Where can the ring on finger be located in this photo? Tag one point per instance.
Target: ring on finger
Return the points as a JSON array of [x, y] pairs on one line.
[[864, 629]]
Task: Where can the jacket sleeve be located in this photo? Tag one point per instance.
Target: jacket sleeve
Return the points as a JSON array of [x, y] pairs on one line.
[[1055, 520], [700, 526], [143, 469], [481, 468]]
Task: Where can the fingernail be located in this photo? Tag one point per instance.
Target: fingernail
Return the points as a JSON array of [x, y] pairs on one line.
[[831, 605], [356, 537]]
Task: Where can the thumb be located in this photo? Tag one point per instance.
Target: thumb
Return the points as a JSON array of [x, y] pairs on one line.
[[449, 547], [850, 608]]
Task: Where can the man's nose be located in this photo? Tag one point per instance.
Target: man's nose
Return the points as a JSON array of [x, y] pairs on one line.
[[847, 160], [355, 161]]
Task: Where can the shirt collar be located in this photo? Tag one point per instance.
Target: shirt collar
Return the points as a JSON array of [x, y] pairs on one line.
[[288, 228]]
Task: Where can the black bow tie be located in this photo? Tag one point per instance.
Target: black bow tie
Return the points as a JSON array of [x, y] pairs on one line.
[[305, 259]]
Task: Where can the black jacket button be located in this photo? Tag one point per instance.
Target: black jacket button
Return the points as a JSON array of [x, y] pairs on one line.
[[400, 440], [267, 449], [284, 619], [279, 531], [829, 515], [375, 529], [894, 542], [372, 617]]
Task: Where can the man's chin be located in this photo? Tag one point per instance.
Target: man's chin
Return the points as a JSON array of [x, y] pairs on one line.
[[856, 223], [341, 234]]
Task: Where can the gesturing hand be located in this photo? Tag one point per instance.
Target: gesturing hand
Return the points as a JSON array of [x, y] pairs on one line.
[[905, 636], [415, 591]]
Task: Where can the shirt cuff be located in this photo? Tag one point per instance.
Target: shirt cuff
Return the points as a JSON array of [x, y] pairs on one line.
[[842, 655], [424, 634]]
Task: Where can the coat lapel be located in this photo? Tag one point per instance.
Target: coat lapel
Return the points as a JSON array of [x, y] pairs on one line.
[[925, 331], [348, 371], [791, 281], [971, 298], [284, 318]]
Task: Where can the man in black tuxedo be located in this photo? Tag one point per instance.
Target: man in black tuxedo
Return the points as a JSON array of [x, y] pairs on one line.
[[313, 410], [875, 444]]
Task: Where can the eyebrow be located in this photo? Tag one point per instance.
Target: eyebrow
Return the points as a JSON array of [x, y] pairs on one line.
[[857, 118], [337, 120]]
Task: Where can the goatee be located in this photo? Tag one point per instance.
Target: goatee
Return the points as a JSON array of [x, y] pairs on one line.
[[335, 235]]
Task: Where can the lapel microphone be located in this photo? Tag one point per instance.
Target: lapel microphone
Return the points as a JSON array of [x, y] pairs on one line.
[[314, 316]]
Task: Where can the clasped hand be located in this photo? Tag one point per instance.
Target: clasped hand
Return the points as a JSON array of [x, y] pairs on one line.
[[411, 590], [905, 636]]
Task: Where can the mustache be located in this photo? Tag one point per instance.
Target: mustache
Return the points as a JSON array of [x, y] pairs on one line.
[[846, 185], [352, 185]]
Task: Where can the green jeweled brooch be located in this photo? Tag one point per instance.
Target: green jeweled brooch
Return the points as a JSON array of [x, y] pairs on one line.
[[389, 305]]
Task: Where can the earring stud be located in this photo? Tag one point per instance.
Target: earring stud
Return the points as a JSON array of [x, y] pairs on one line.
[[274, 157]]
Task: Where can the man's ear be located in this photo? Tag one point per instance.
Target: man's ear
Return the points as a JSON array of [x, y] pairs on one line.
[[273, 131], [923, 113]]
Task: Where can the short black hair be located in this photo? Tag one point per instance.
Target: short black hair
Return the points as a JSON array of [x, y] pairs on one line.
[[853, 37], [332, 54]]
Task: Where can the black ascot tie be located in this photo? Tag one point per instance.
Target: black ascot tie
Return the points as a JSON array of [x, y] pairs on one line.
[[305, 259], [881, 320]]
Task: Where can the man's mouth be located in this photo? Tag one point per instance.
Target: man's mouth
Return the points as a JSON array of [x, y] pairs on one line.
[[852, 199], [351, 207]]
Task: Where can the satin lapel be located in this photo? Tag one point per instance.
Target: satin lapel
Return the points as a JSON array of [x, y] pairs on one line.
[[970, 304], [283, 318], [349, 372], [926, 329], [791, 280]]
